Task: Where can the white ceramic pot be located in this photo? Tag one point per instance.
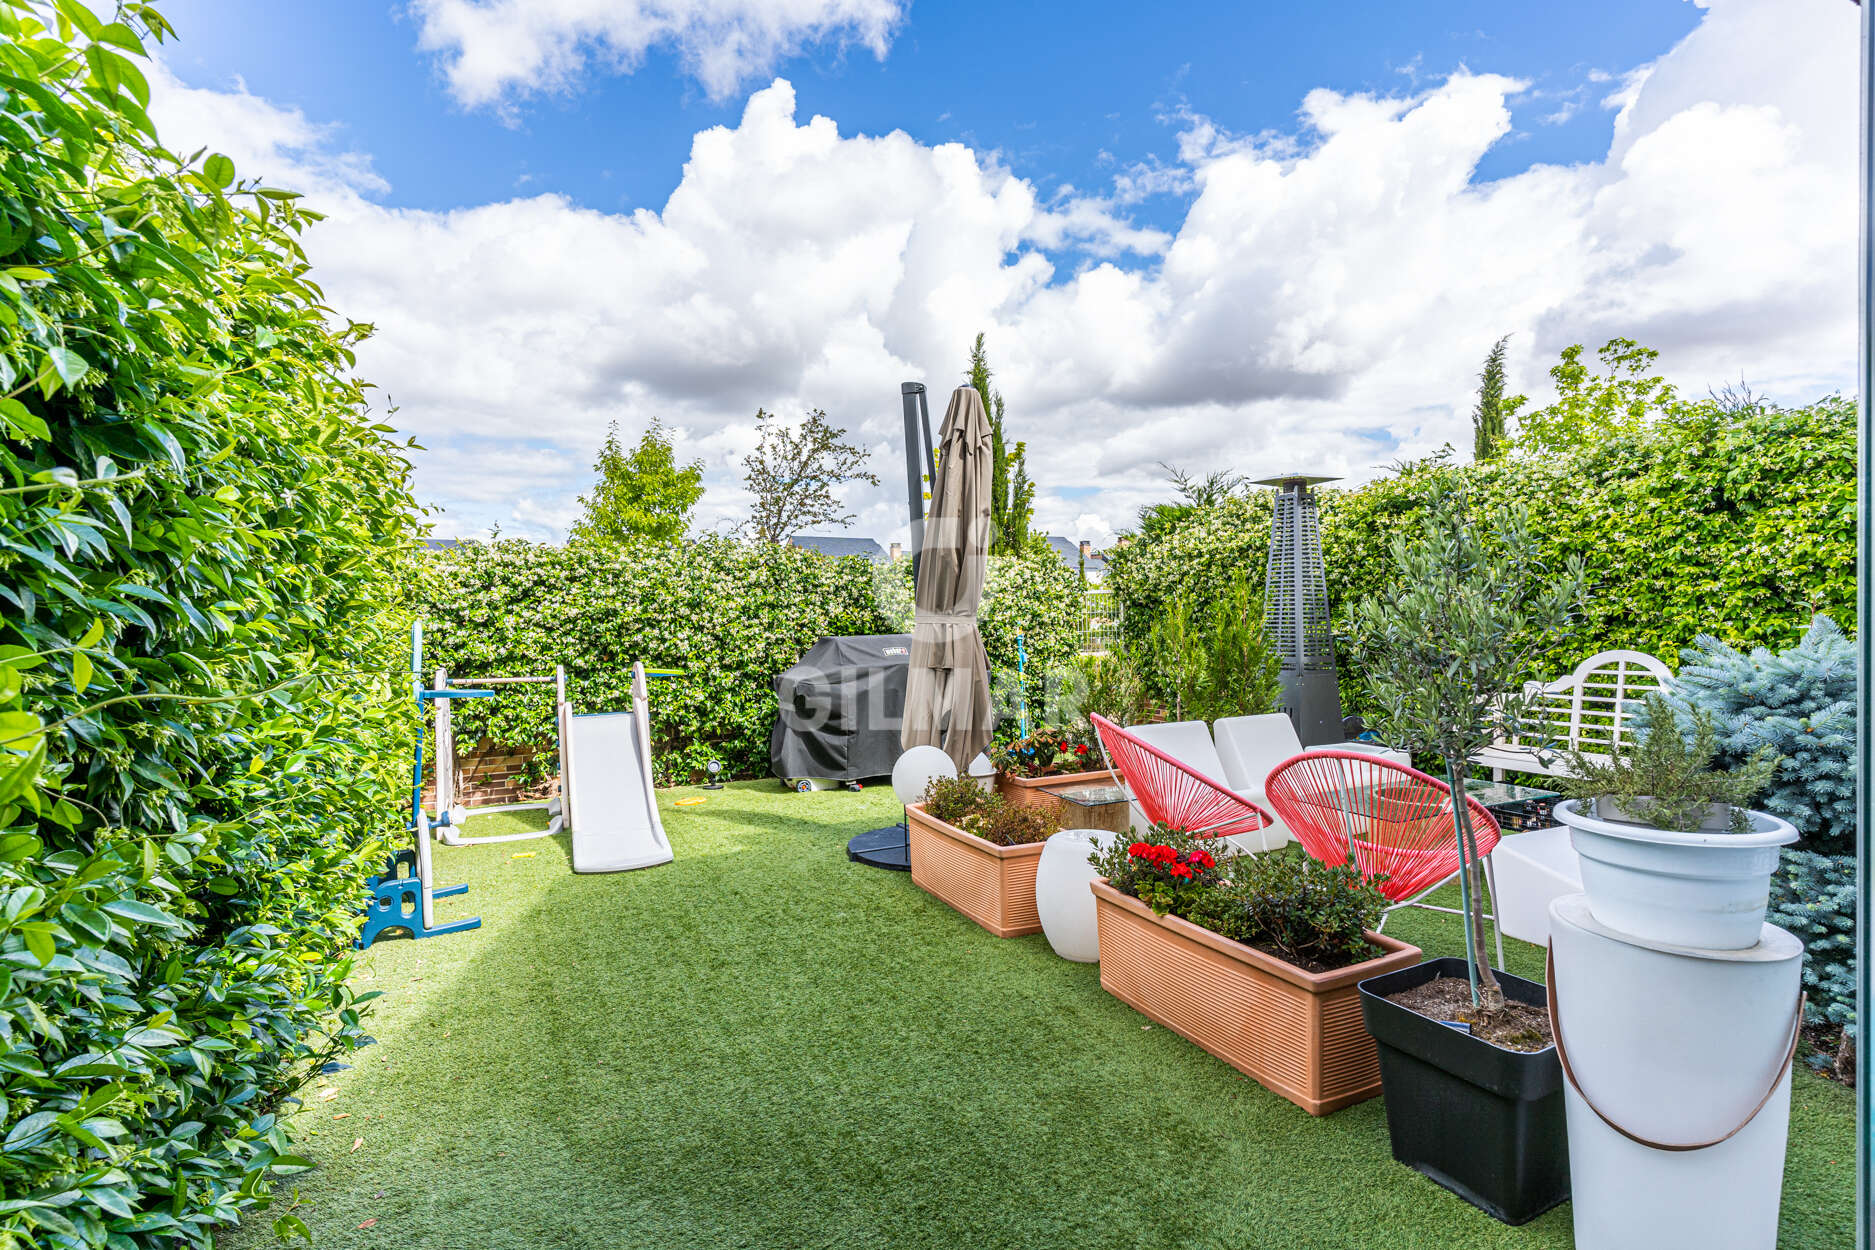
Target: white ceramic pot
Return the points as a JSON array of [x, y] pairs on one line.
[[1062, 897], [1702, 890]]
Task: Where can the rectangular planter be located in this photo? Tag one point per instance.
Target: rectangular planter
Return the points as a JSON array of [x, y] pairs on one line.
[[993, 885], [1042, 791], [1299, 1034], [1485, 1122]]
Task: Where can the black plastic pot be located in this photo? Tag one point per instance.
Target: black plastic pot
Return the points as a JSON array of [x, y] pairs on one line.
[[1485, 1122]]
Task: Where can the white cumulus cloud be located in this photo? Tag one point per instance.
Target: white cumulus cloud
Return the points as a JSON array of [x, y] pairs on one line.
[[1325, 302], [495, 51]]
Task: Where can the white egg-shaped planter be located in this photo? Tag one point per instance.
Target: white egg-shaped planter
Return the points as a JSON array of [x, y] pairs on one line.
[[1701, 889]]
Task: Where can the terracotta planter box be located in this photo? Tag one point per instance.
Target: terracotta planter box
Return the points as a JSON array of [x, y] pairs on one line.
[[993, 885], [1042, 791], [1299, 1034]]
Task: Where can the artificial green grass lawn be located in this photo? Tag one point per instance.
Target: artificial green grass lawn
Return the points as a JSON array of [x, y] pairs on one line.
[[765, 1045]]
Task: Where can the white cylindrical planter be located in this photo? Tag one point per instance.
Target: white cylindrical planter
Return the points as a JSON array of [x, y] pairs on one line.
[[1676, 1045], [1703, 889], [1062, 897]]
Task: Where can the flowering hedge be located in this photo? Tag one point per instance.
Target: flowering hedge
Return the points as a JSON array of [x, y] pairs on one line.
[[730, 614], [200, 755]]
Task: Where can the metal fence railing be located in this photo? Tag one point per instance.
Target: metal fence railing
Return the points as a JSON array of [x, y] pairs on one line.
[[1100, 620]]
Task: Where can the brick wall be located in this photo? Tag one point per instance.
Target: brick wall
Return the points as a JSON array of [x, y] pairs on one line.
[[487, 775]]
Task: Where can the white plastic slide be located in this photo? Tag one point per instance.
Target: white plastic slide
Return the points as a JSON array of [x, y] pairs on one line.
[[611, 807]]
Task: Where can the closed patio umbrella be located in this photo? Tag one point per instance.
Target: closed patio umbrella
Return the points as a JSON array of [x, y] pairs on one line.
[[947, 696]]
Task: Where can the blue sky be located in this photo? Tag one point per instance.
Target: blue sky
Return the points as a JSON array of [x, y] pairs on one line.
[[1224, 235], [1064, 91]]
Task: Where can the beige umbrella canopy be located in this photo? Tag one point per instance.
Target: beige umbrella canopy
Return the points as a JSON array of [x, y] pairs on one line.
[[947, 695]]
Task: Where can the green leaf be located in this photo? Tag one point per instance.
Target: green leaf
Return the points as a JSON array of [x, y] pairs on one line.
[[81, 671], [67, 364], [31, 1129], [142, 913], [40, 944], [219, 170]]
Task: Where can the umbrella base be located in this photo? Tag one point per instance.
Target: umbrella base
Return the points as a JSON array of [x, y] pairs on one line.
[[889, 847]]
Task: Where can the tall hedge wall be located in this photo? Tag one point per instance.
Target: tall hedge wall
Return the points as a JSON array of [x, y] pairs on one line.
[[731, 614], [200, 754], [1741, 526]]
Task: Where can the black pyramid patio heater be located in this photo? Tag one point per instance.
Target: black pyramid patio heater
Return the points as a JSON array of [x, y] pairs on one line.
[[1295, 611]]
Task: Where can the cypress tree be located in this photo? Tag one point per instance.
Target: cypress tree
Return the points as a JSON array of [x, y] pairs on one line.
[[1012, 494], [1492, 413]]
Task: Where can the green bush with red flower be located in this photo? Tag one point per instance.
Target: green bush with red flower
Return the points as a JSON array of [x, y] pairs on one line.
[[1050, 752], [1167, 870], [1282, 903]]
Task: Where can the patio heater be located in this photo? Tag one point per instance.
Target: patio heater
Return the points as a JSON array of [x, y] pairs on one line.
[[890, 847], [1295, 610]]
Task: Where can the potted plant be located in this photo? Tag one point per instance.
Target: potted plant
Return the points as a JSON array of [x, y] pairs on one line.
[[978, 854], [1669, 850], [1474, 1091], [1032, 771], [1255, 959]]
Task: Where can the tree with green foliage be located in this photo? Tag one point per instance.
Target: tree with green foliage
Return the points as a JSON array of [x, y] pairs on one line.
[[796, 474], [1446, 643], [1012, 494], [1620, 399], [641, 493], [1491, 415], [1196, 495], [205, 544], [1216, 660]]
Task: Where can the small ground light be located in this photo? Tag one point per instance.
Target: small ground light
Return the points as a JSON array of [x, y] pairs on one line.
[[715, 769]]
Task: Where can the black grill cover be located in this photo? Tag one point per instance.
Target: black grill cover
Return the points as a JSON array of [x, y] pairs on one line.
[[841, 708]]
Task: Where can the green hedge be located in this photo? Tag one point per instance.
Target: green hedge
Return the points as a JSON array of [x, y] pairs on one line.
[[1740, 526], [731, 614], [200, 755]]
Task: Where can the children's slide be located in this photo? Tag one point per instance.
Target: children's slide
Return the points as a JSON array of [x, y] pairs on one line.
[[611, 807]]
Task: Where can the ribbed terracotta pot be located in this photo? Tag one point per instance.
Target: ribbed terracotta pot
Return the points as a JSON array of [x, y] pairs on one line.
[[993, 885], [1299, 1034], [1044, 791]]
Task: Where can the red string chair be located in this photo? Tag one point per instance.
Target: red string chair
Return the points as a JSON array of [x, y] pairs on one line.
[[1169, 791], [1395, 821]]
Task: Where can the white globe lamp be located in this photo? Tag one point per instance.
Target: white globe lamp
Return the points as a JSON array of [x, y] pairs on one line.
[[917, 769]]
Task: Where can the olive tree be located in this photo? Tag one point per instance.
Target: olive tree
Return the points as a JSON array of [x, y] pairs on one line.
[[1447, 643]]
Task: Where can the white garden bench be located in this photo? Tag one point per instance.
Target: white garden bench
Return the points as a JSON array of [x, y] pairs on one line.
[[1586, 711]]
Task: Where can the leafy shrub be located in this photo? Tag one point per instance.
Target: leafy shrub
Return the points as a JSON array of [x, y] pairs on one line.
[[1304, 913], [1668, 780], [1215, 660], [201, 754], [1813, 896], [1113, 686], [730, 614], [954, 800], [1800, 705], [960, 801]]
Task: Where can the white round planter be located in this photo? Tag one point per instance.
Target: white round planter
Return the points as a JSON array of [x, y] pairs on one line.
[[1705, 890], [1062, 897], [1677, 1047]]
